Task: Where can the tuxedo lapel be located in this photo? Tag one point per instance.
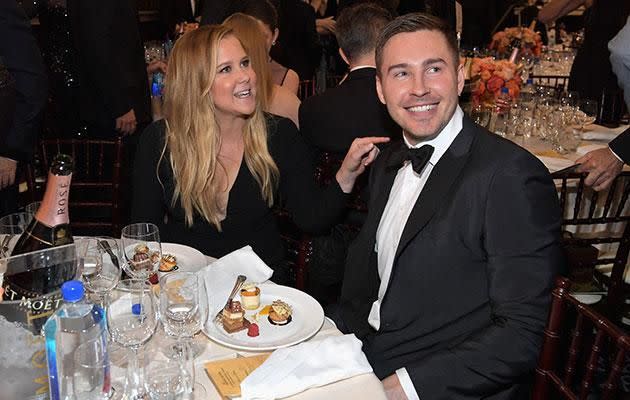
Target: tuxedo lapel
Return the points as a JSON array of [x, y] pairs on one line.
[[437, 187]]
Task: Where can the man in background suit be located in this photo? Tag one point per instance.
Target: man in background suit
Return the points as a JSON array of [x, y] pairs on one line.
[[449, 281], [332, 120], [23, 98], [174, 12], [114, 88]]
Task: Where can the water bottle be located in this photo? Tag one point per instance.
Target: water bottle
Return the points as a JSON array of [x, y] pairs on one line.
[[75, 323], [157, 89], [528, 93], [501, 113]]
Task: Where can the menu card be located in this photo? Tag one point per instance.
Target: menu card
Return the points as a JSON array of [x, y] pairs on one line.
[[227, 375]]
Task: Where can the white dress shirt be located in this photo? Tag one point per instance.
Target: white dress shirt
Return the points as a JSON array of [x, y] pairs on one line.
[[404, 193]]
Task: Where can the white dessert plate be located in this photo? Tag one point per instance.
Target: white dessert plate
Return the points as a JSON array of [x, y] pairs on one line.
[[306, 320], [587, 298], [188, 258]]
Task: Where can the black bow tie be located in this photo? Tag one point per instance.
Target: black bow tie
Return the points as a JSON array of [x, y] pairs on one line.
[[418, 157]]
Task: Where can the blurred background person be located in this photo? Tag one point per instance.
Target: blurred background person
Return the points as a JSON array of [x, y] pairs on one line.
[[24, 93], [267, 16]]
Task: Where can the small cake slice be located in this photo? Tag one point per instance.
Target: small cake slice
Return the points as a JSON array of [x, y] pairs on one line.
[[280, 313], [233, 317], [250, 296]]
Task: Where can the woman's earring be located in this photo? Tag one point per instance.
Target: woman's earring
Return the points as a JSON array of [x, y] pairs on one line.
[[273, 43]]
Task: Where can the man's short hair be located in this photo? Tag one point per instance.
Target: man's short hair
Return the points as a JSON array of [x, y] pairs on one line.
[[358, 27], [415, 22]]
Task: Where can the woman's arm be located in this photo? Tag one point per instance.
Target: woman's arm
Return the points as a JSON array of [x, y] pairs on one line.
[[558, 8]]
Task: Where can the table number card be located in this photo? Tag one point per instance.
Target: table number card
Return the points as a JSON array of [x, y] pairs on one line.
[[227, 375]]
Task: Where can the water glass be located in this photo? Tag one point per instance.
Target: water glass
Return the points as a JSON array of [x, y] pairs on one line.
[[166, 379], [142, 249], [14, 224], [480, 114], [131, 321], [91, 371]]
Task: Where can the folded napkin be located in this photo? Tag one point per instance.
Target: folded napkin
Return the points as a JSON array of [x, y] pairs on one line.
[[589, 147], [554, 164], [310, 364], [220, 275], [598, 132]]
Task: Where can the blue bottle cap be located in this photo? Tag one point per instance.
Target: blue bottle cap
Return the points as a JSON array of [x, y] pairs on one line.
[[136, 309], [530, 81], [504, 90], [72, 291]]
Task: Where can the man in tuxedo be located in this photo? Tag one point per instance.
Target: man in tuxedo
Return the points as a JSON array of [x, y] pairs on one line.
[[449, 281], [174, 12], [603, 165], [23, 94], [114, 88], [332, 120]]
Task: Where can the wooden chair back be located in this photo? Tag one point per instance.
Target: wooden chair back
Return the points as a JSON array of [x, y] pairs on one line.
[[306, 89], [606, 216], [95, 192], [583, 352]]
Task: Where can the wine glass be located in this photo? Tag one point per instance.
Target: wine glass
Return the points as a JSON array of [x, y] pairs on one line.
[[182, 312], [131, 321], [586, 113], [101, 267], [142, 249], [480, 114]]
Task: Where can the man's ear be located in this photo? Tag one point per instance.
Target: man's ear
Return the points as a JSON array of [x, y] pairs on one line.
[[343, 56], [379, 89], [461, 79]]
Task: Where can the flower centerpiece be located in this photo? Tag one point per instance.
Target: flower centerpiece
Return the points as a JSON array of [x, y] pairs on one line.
[[488, 76], [530, 41]]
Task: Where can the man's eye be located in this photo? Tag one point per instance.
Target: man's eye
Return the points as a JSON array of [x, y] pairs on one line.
[[225, 69], [434, 69], [400, 74]]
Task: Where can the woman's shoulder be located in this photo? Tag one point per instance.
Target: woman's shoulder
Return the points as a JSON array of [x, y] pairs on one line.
[[155, 132], [284, 103]]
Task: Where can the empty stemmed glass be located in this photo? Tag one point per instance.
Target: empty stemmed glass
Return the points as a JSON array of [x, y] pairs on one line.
[[183, 313], [11, 226], [131, 321], [101, 267], [586, 113], [142, 249]]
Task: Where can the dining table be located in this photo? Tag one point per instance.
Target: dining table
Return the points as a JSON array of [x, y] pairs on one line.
[[364, 386]]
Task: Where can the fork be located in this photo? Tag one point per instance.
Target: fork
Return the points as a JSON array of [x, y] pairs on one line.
[[237, 286]]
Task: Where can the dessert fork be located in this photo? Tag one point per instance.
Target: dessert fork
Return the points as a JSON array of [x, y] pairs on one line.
[[237, 286]]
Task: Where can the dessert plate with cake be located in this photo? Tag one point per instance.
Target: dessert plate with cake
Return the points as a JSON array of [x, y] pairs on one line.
[[266, 317], [178, 257]]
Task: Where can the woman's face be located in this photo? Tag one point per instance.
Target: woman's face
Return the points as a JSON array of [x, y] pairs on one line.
[[234, 88]]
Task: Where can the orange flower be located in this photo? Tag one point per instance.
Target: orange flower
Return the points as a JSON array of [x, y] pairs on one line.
[[495, 84]]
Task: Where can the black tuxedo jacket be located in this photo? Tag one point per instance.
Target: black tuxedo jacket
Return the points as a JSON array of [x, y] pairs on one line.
[[621, 146], [469, 292], [112, 70], [332, 120]]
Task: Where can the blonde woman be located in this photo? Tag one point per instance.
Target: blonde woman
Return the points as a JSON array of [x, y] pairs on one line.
[[209, 173], [274, 98]]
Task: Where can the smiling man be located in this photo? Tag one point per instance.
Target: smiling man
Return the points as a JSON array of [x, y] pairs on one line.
[[448, 284]]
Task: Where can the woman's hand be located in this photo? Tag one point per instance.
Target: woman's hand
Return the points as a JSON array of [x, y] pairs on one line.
[[361, 154]]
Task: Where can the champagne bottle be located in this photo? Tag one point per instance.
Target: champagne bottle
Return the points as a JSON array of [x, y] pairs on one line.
[[49, 228]]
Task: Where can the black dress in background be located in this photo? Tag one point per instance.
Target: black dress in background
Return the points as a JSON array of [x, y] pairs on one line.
[[61, 61], [591, 72], [249, 220]]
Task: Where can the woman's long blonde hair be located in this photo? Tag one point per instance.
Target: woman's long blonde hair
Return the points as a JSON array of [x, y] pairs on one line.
[[247, 30], [193, 134]]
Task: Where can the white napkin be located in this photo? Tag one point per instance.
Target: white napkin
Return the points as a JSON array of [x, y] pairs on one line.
[[589, 147], [554, 164], [310, 364], [220, 275], [598, 132]]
